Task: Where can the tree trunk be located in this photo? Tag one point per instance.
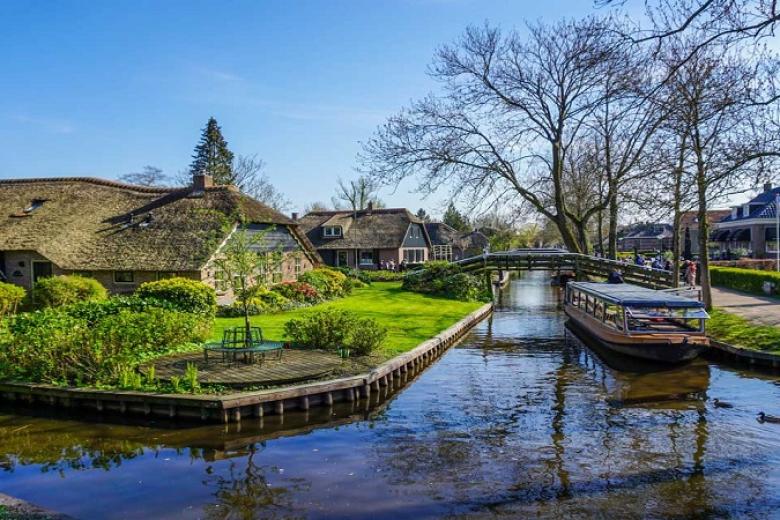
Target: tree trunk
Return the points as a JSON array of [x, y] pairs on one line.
[[704, 229], [613, 222]]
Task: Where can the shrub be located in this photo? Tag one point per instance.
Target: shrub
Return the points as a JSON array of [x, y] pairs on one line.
[[10, 297], [747, 280], [53, 345], [332, 329], [384, 276], [56, 291], [328, 282], [325, 330], [445, 279], [185, 294], [355, 274], [297, 291], [366, 335], [93, 312]]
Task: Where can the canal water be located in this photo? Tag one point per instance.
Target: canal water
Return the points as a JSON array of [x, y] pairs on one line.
[[518, 420]]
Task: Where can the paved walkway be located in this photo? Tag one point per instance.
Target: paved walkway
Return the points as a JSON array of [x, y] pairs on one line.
[[759, 309]]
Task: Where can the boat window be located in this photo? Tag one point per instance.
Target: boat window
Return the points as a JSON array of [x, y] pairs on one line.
[[665, 320]]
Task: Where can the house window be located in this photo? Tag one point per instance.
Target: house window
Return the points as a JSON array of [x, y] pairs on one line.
[[35, 204], [771, 246], [124, 277], [164, 275], [342, 258], [298, 265], [367, 257], [220, 280], [414, 256], [442, 252], [331, 231]]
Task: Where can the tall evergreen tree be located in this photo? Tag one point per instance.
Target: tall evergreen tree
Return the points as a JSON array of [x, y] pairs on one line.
[[455, 219], [212, 156]]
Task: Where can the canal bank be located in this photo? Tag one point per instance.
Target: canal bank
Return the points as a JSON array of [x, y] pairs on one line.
[[514, 421], [233, 407]]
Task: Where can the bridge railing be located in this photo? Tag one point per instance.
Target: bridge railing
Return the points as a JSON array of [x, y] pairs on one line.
[[559, 260]]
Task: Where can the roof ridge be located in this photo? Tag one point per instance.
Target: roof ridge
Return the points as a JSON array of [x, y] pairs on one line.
[[97, 181]]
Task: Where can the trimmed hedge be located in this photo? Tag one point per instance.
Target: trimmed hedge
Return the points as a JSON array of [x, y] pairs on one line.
[[747, 280], [328, 282], [10, 297], [184, 294], [56, 291]]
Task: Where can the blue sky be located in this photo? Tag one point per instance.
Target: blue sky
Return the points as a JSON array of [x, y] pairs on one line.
[[104, 88]]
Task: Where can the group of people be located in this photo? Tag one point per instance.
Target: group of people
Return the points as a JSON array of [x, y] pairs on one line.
[[658, 262], [688, 271], [390, 265]]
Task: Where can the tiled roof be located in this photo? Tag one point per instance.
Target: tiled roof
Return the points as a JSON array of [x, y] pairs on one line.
[[765, 210], [96, 224]]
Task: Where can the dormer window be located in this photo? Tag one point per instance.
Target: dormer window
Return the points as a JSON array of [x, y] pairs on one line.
[[35, 204], [331, 231]]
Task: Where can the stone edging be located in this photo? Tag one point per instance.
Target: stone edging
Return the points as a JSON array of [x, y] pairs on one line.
[[231, 407]]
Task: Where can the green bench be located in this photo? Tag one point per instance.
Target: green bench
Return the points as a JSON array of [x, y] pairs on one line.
[[235, 343]]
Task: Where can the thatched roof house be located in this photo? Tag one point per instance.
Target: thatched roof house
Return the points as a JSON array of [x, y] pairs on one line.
[[367, 238], [450, 244], [102, 227]]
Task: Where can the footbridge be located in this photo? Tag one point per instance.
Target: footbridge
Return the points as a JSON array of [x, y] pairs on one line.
[[562, 261]]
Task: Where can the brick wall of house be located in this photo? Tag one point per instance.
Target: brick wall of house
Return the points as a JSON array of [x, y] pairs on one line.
[[19, 267]]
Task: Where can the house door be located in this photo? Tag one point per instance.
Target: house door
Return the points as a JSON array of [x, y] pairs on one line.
[[341, 259], [41, 270]]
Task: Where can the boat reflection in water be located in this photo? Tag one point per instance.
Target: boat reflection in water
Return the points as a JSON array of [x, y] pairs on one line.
[[629, 381]]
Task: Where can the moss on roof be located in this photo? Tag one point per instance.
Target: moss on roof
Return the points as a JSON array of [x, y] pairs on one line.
[[96, 224]]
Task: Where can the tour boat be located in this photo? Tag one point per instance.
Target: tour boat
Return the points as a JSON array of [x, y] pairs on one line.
[[635, 321]]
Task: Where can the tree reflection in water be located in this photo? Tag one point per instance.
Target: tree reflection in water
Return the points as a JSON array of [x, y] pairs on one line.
[[246, 493]]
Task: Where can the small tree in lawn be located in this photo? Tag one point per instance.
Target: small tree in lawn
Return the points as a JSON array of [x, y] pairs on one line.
[[247, 263]]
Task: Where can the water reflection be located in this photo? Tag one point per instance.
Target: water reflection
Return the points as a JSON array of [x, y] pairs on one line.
[[518, 420]]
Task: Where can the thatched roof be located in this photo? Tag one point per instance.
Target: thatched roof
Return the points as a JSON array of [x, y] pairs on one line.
[[444, 234], [367, 229], [96, 224]]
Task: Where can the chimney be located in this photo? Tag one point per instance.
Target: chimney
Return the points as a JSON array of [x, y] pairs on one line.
[[201, 181], [295, 216], [767, 187], [370, 207]]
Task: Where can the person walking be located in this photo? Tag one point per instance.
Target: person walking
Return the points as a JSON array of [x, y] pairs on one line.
[[690, 274]]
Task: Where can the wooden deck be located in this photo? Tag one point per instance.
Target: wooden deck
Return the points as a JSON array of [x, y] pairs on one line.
[[293, 367]]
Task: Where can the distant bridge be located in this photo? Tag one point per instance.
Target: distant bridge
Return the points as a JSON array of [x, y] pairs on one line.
[[560, 260]]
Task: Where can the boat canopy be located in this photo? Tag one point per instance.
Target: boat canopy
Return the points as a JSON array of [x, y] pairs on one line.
[[629, 295]]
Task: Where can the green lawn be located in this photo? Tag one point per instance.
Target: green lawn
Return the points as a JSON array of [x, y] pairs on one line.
[[738, 331], [410, 318]]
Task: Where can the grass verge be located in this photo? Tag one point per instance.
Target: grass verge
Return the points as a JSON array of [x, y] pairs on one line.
[[410, 317], [741, 332]]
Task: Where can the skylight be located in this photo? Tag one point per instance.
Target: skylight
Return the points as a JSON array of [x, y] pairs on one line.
[[35, 204]]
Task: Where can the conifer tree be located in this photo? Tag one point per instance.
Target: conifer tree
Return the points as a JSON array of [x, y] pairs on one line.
[[455, 219], [212, 156]]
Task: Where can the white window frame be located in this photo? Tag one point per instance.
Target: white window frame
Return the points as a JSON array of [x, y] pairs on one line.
[[414, 255], [331, 231], [360, 257], [442, 252]]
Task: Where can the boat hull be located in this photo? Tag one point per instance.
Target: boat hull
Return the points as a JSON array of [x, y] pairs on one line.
[[661, 350]]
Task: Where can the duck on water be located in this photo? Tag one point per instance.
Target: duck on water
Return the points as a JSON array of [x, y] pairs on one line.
[[658, 326]]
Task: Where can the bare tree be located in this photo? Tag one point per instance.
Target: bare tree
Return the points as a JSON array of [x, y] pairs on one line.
[[356, 194], [511, 110], [316, 206], [250, 177], [148, 176], [721, 132]]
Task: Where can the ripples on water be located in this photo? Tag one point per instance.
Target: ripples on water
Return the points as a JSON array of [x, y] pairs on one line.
[[520, 419]]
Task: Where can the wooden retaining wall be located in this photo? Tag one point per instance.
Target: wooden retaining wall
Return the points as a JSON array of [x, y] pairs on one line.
[[724, 351], [232, 407]]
